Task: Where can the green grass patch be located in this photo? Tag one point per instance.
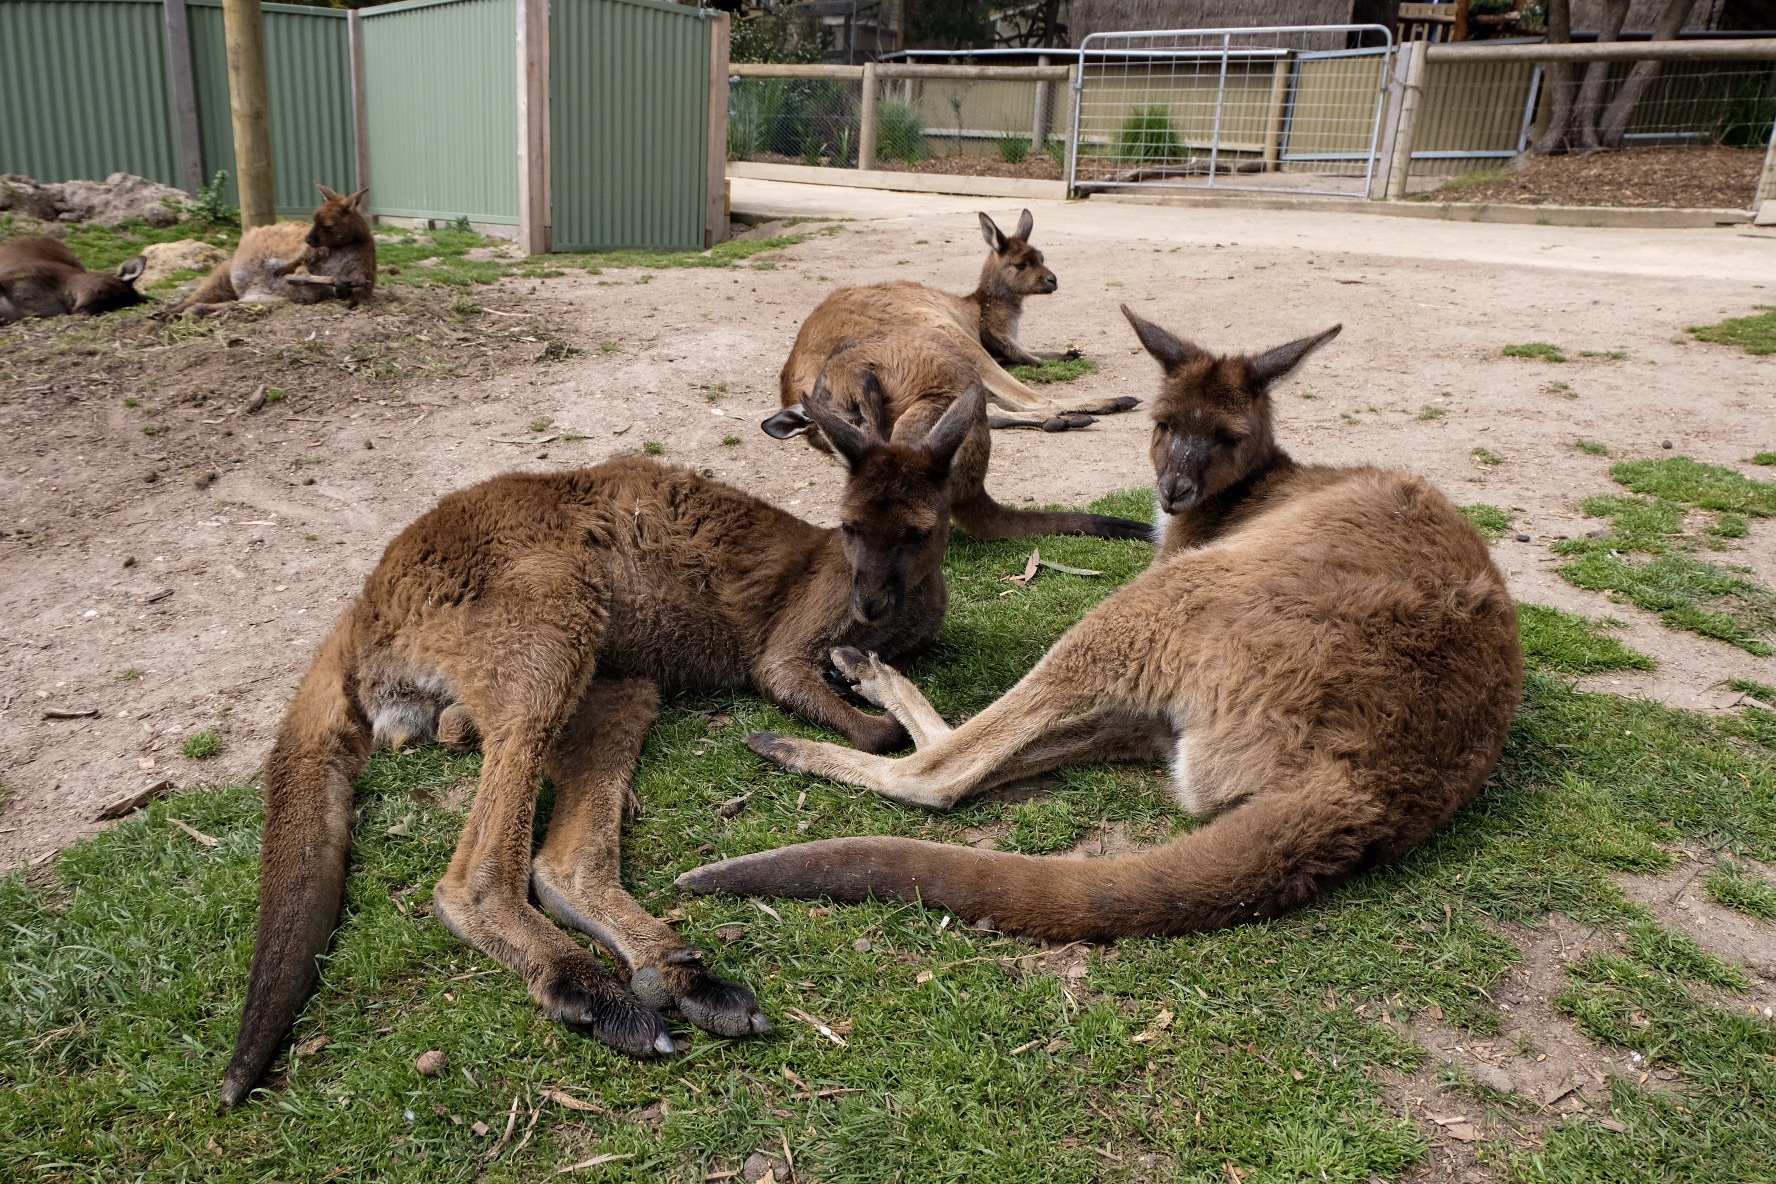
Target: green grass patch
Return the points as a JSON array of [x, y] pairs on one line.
[[1572, 644], [1054, 370], [1475, 178], [1754, 334], [102, 248], [1763, 458], [1487, 457], [201, 746], [1688, 593], [1740, 887], [1535, 349], [125, 964], [654, 448], [1431, 411], [1591, 447], [1492, 522]]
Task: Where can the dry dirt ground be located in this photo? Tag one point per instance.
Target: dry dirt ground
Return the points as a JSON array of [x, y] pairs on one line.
[[168, 601], [1704, 178]]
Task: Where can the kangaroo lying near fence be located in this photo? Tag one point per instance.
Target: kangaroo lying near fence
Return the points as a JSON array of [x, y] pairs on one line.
[[333, 258], [915, 373], [549, 608], [40, 277], [982, 324], [1327, 658]]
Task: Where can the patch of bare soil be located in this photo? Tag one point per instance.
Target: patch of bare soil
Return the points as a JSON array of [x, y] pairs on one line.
[[1706, 178], [957, 164]]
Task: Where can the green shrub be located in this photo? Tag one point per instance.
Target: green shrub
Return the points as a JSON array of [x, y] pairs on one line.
[[1013, 149], [900, 133], [201, 746], [210, 206], [1146, 137], [755, 109]]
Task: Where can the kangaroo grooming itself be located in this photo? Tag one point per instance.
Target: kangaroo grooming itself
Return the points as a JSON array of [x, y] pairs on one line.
[[982, 324], [1326, 657], [332, 258], [917, 373], [549, 608], [40, 277]]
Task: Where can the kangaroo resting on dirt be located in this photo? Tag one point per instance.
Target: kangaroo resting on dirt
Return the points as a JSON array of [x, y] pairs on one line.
[[40, 277], [332, 258], [553, 609], [982, 324], [879, 380], [1327, 658]]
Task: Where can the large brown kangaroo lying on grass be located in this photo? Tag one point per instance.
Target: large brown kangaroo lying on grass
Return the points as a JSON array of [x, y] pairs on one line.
[[917, 372], [332, 258], [1326, 657], [552, 609], [982, 324]]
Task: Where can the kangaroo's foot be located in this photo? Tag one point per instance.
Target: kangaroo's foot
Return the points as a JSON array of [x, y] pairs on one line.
[[892, 691], [457, 730], [712, 1003], [569, 983]]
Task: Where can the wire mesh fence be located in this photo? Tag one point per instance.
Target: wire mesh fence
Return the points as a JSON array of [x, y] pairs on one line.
[[805, 121], [1289, 108]]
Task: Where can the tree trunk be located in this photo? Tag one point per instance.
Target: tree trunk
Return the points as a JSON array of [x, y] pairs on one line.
[[1615, 13], [1558, 87], [1614, 128]]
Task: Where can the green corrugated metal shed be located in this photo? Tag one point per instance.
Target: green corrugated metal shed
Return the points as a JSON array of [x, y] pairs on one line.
[[83, 90], [443, 98], [309, 74], [629, 123]]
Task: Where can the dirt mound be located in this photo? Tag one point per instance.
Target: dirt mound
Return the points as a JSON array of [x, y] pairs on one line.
[[119, 198]]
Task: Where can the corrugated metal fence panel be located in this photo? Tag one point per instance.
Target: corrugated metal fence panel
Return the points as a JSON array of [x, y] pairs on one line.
[[629, 115], [443, 97], [309, 75], [83, 90]]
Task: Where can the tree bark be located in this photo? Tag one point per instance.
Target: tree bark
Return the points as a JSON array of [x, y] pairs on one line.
[[1559, 86], [1614, 128], [1615, 14]]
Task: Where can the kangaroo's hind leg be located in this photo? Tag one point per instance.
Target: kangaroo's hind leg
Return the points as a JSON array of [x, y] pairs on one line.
[[576, 874], [544, 621]]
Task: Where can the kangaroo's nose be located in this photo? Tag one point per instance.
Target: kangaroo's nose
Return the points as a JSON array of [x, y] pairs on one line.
[[1050, 284], [1176, 493]]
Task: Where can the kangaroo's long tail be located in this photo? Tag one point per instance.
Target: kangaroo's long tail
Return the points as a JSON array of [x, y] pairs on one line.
[[322, 746], [1274, 853], [985, 518]]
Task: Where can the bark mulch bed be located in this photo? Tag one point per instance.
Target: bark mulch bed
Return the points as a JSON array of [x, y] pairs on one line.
[[1709, 178], [1033, 168]]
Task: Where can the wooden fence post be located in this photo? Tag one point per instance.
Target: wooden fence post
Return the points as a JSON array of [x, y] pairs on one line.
[[1400, 166], [1039, 112], [533, 126], [715, 195], [178, 31], [866, 119], [249, 102], [1279, 104], [360, 101]]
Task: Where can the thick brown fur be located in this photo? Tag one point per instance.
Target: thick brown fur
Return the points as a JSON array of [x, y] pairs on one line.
[[332, 258], [547, 612], [40, 277], [983, 325], [1327, 657]]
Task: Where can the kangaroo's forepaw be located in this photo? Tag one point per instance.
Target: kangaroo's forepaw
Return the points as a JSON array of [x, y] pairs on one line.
[[862, 671], [714, 1004], [580, 996], [457, 730]]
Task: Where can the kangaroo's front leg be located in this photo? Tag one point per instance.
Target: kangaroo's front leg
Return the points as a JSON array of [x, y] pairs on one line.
[[787, 676], [576, 874]]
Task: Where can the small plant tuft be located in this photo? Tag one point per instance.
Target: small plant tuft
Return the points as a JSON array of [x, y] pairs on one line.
[[1487, 457], [1055, 370], [1740, 887], [1013, 149], [730, 441], [129, 674], [654, 448], [1591, 447], [1492, 522], [558, 350], [1147, 137], [201, 746], [210, 205], [1535, 349], [1432, 411]]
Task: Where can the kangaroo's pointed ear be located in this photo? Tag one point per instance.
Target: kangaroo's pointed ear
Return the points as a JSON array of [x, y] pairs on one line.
[[947, 434], [1168, 349], [130, 270], [327, 193], [360, 200], [849, 441], [1026, 223], [789, 422], [990, 231], [1269, 366], [872, 401]]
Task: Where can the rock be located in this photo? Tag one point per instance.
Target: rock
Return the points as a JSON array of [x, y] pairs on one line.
[[1493, 1077], [432, 1063], [1522, 538], [118, 198], [1664, 443], [758, 1166], [862, 945], [164, 259]]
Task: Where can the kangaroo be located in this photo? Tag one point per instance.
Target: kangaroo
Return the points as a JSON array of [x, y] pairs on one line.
[[552, 609], [40, 277], [1327, 658], [982, 324], [880, 379], [333, 258]]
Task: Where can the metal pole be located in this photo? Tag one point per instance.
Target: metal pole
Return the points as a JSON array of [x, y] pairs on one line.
[[1766, 189], [1039, 116], [249, 102], [1220, 103], [178, 31], [360, 99], [1279, 103], [1078, 86], [866, 117]]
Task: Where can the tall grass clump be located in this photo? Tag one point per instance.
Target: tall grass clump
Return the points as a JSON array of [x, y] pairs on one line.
[[755, 111], [900, 133], [1013, 149], [1147, 137]]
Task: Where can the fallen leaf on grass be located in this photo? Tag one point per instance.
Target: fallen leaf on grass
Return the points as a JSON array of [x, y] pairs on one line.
[[311, 1046], [1610, 1124], [768, 910], [1051, 565], [594, 1162], [923, 977], [493, 1152], [1030, 568]]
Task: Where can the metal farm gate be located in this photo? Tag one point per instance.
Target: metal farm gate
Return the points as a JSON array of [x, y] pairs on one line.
[[1286, 109]]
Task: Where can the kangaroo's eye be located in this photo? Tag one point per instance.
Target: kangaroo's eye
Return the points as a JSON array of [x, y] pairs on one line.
[[848, 530], [1022, 266]]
